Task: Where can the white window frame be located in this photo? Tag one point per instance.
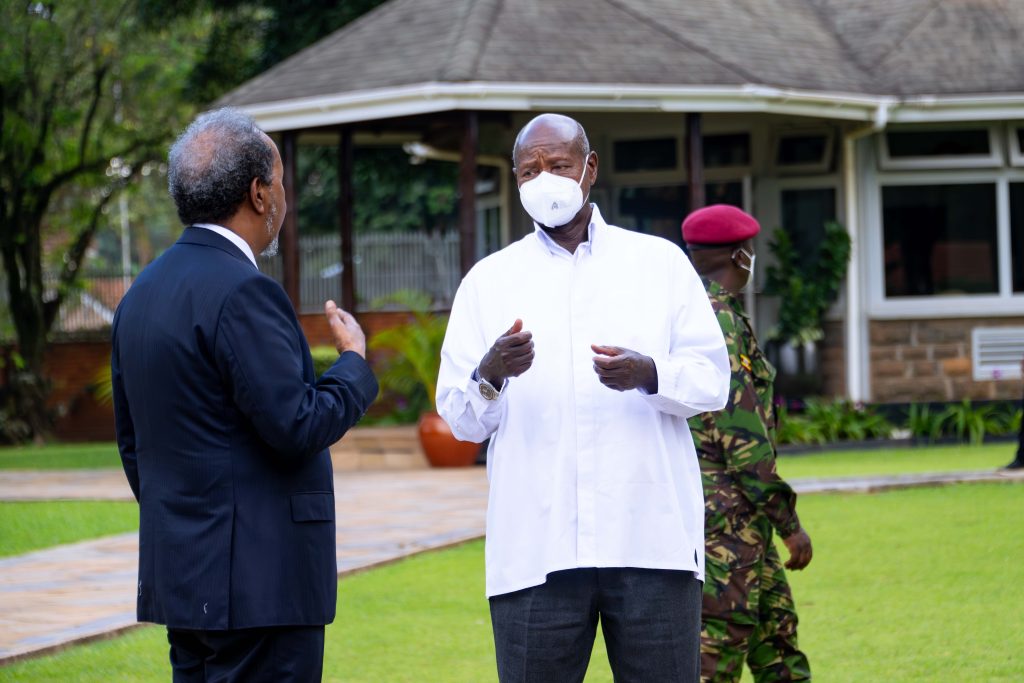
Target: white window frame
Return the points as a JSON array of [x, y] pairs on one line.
[[993, 159], [821, 167], [1013, 143], [1002, 303]]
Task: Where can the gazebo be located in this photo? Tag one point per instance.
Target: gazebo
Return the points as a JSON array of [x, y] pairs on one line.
[[784, 107]]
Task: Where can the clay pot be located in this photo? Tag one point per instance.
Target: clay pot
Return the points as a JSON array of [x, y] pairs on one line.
[[440, 445]]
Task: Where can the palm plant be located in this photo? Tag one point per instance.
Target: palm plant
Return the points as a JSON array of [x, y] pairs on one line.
[[412, 367]]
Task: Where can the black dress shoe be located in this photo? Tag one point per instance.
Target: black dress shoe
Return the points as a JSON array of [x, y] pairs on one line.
[[1017, 464]]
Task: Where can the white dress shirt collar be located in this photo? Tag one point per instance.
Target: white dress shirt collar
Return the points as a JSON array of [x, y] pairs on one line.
[[232, 237], [556, 249]]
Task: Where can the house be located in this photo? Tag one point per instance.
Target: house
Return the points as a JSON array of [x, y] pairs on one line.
[[901, 119]]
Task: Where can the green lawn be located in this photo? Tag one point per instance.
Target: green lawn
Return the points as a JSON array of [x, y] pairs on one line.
[[40, 524], [70, 456], [896, 460], [910, 585]]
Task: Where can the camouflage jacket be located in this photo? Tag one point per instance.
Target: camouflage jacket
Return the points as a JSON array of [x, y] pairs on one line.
[[736, 445]]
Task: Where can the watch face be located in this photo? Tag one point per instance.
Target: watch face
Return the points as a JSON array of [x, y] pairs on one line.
[[487, 391]]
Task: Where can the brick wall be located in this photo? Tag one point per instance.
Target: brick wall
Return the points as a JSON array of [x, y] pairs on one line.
[[930, 360], [71, 367], [833, 359]]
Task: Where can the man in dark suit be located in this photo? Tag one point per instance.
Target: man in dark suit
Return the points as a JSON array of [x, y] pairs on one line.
[[224, 429]]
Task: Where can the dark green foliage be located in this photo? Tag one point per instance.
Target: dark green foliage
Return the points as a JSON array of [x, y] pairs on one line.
[[323, 358], [392, 195], [806, 288], [414, 361], [925, 423]]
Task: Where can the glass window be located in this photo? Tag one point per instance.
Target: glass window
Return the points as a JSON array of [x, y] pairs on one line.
[[645, 155], [804, 215], [1020, 140], [937, 143], [1017, 234], [940, 239], [801, 150], [727, 150], [660, 210]]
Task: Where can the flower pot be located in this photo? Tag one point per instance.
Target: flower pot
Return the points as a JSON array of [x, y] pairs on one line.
[[798, 366], [440, 445]]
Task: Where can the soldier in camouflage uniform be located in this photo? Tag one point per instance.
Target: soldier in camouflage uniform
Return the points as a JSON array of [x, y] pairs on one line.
[[748, 610]]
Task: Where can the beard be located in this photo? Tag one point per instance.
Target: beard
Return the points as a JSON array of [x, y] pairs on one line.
[[271, 249]]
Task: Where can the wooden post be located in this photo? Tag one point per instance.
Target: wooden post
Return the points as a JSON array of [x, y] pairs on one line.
[[467, 193], [345, 219], [289, 232], [695, 161]]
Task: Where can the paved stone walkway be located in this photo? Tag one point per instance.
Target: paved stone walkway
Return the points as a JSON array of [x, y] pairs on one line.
[[76, 592], [72, 593]]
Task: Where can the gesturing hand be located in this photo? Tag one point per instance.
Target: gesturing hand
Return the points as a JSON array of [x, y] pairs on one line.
[[347, 334], [510, 356], [799, 545], [623, 369]]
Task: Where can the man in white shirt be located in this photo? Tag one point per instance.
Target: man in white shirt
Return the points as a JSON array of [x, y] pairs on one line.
[[581, 350]]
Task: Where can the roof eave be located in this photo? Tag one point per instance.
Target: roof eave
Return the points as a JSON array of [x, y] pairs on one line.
[[425, 98]]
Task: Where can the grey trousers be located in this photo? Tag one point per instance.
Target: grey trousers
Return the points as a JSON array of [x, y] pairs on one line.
[[650, 619]]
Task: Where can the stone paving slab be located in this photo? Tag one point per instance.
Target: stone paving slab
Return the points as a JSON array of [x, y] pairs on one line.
[[862, 484], [71, 593]]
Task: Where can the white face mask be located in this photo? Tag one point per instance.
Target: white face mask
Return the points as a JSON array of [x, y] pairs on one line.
[[552, 200]]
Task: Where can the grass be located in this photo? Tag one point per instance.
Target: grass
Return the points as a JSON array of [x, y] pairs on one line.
[[905, 586], [72, 456], [951, 458], [29, 526]]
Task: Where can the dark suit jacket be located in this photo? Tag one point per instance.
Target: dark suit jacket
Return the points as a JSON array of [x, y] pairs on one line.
[[223, 431]]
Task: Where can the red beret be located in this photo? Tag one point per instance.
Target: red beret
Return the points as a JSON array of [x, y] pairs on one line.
[[719, 224]]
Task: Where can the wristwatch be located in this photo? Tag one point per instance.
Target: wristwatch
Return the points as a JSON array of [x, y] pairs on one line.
[[487, 389]]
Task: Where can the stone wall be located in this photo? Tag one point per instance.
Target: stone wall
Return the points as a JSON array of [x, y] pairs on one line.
[[930, 360], [833, 359]]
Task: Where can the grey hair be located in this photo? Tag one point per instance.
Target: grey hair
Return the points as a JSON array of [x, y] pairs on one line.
[[580, 140], [212, 164]]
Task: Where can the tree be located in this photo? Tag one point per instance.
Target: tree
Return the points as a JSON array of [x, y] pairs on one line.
[[88, 93]]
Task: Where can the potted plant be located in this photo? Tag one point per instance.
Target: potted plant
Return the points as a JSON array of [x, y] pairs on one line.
[[806, 287], [411, 371]]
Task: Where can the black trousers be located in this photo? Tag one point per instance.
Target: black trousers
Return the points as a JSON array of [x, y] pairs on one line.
[[650, 619], [283, 653]]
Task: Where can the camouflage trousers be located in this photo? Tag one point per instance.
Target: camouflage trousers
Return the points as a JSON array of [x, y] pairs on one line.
[[748, 610]]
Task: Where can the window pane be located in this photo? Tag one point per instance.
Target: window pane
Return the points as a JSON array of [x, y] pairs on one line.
[[937, 143], [1020, 140], [1017, 234], [804, 215], [645, 155], [727, 150], [940, 239], [660, 210], [797, 150]]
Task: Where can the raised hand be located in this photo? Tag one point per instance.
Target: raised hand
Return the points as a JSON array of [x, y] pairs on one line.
[[622, 369], [347, 334], [510, 356]]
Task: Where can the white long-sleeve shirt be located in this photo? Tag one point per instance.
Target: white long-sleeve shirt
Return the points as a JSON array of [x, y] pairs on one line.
[[582, 475]]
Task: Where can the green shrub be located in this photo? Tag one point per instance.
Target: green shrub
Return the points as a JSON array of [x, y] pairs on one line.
[[971, 424], [925, 423], [796, 429], [843, 420], [411, 368], [323, 358]]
